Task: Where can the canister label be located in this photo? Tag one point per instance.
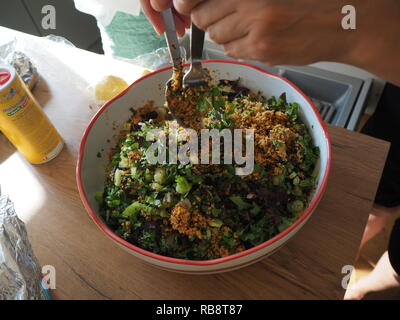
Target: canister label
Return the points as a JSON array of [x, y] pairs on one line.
[[25, 124]]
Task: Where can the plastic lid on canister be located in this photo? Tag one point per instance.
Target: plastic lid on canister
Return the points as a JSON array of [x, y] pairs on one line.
[[5, 76]]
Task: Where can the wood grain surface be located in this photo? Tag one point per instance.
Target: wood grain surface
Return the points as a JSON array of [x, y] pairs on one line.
[[89, 266]]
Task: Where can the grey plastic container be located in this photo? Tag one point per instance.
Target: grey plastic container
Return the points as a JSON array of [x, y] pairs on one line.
[[341, 99]]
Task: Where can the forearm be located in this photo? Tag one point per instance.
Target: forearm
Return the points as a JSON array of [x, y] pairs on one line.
[[375, 44], [386, 65]]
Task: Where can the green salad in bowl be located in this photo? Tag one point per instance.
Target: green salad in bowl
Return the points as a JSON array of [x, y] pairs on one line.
[[201, 211]]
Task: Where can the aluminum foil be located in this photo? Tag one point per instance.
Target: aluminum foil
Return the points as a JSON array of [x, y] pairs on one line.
[[13, 53], [24, 68], [20, 274]]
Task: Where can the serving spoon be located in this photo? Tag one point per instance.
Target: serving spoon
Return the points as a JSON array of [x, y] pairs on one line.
[[196, 76], [176, 60], [172, 38]]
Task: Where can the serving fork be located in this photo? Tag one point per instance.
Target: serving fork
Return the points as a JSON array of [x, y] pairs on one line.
[[196, 76]]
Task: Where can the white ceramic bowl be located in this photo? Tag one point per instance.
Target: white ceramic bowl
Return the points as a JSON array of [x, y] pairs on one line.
[[108, 121]]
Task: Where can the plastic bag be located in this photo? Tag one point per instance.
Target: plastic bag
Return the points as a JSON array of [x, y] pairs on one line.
[[125, 30], [155, 60], [104, 10]]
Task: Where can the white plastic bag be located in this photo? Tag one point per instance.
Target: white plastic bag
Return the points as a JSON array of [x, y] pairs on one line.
[[104, 10]]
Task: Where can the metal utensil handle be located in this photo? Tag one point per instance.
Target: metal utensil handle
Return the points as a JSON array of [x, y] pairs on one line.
[[171, 37], [196, 43]]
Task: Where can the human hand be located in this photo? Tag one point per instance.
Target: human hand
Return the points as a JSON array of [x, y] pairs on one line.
[[272, 31], [299, 32], [152, 9]]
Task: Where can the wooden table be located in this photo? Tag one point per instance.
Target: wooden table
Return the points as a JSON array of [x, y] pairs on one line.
[[90, 266]]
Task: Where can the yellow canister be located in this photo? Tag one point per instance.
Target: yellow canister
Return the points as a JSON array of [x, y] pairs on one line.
[[23, 121]]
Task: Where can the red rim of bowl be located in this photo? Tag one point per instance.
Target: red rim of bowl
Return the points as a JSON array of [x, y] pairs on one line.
[[99, 222]]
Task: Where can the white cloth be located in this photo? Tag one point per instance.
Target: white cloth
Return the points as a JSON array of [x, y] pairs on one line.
[[104, 10]]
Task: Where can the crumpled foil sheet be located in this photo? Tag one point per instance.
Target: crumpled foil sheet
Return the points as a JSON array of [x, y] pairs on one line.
[[19, 270], [24, 68], [13, 53]]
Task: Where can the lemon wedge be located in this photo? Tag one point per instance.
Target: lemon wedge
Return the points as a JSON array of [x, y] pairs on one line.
[[109, 87]]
